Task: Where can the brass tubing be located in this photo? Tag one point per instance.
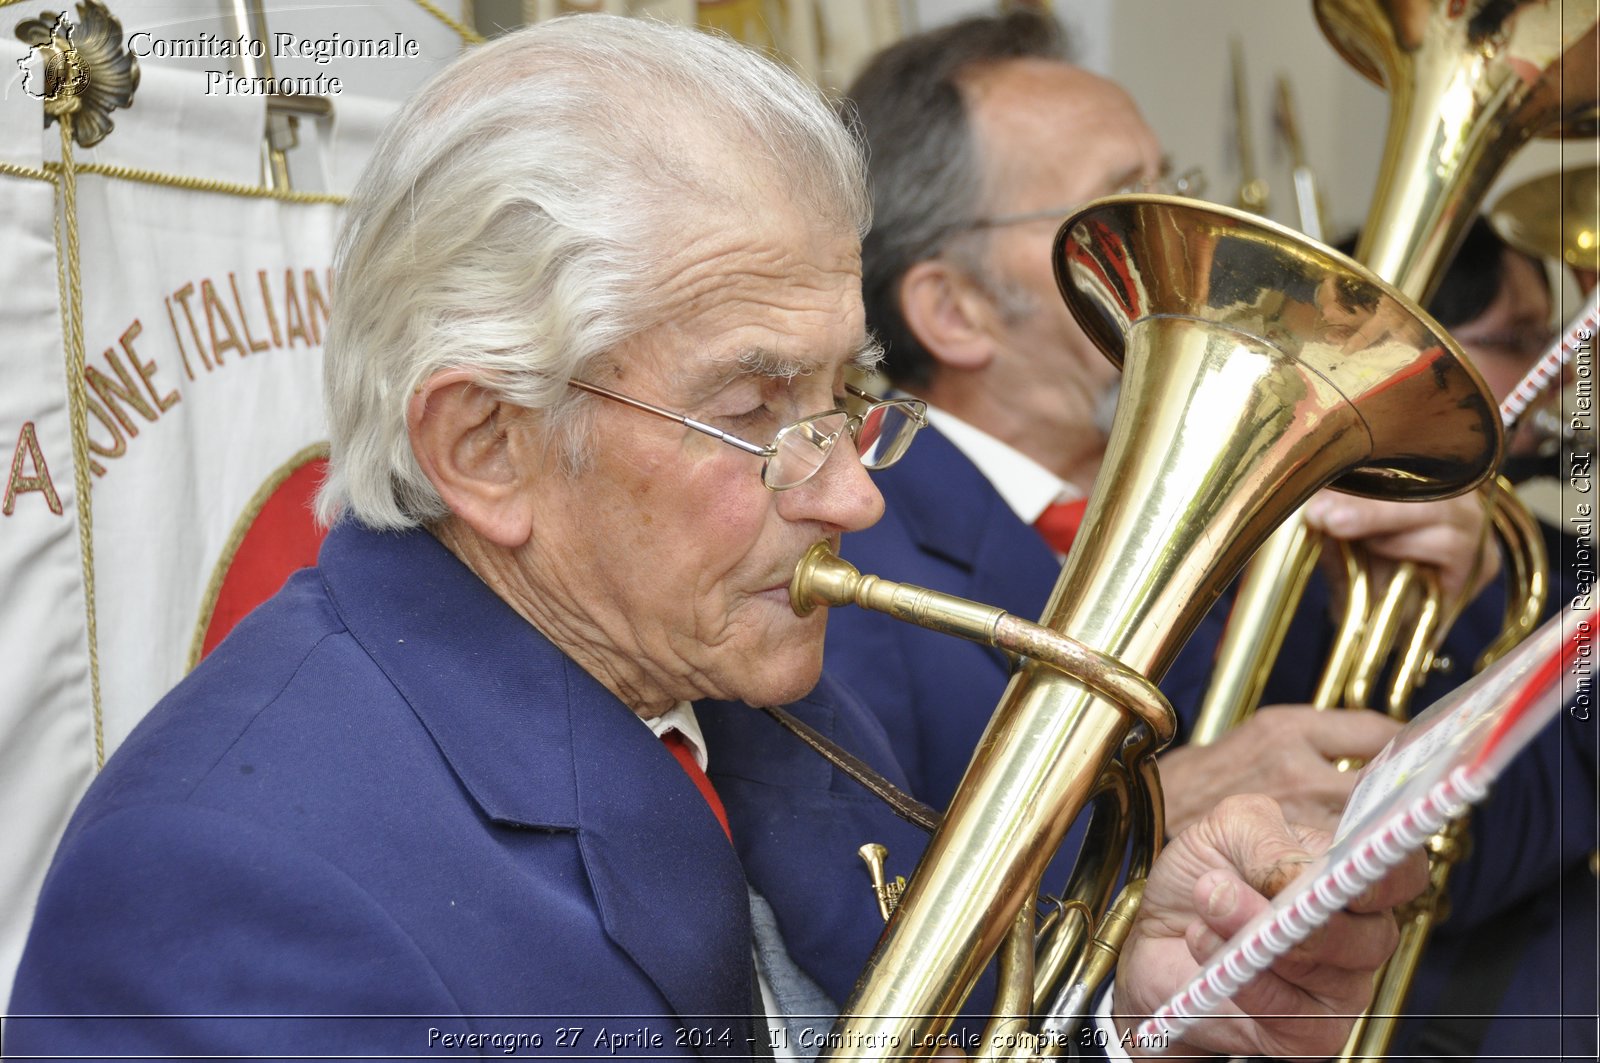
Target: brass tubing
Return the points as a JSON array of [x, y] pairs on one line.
[[1427, 627], [1528, 562], [824, 578], [1469, 83], [1006, 1036], [1263, 607], [1093, 881], [1369, 1040], [1069, 1005], [1043, 749], [1378, 638], [1347, 641]]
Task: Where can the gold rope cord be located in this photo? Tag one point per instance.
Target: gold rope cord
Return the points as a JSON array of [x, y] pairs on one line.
[[78, 415], [466, 33], [11, 169], [201, 184]]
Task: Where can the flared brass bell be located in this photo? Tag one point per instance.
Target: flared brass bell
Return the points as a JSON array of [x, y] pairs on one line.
[[1554, 216]]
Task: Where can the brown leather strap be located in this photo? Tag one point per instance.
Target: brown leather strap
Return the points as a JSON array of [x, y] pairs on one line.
[[903, 804]]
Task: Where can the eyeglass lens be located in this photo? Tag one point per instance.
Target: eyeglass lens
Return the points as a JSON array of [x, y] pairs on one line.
[[886, 430], [801, 448]]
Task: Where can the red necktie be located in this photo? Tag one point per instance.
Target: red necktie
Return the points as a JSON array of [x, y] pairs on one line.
[[1059, 523], [679, 746]]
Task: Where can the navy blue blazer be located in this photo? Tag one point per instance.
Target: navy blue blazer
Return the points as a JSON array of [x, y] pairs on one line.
[[389, 812], [946, 527]]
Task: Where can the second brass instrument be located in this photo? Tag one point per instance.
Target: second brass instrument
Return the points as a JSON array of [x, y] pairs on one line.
[[1469, 82]]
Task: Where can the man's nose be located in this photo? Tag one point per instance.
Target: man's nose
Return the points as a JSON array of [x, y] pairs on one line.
[[840, 495]]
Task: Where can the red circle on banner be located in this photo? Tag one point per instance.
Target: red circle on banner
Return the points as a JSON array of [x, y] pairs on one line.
[[280, 537]]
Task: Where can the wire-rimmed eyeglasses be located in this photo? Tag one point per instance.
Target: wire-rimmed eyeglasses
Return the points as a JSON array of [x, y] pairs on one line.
[[881, 432], [1191, 182]]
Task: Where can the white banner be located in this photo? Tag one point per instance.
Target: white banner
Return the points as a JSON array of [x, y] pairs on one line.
[[204, 315]]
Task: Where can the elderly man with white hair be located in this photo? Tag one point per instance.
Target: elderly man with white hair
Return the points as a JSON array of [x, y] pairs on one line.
[[598, 296]]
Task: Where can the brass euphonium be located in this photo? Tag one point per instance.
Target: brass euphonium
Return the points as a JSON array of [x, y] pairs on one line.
[[1239, 400]]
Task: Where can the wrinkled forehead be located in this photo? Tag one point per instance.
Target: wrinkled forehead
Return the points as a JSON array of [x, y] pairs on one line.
[[764, 288]]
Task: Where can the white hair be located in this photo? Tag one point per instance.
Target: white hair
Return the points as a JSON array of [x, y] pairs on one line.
[[515, 215]]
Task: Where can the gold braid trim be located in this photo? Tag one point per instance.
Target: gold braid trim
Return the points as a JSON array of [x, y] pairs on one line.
[[200, 184], [78, 416], [466, 33], [11, 169]]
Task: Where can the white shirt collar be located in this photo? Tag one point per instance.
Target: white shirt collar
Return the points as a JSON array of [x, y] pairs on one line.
[[680, 718], [1026, 486]]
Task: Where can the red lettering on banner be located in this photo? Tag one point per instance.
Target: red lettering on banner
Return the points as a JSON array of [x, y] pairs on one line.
[[187, 368], [272, 315], [109, 391], [315, 302], [18, 484], [118, 446], [294, 318], [182, 295], [146, 370], [114, 392], [214, 310], [244, 318]]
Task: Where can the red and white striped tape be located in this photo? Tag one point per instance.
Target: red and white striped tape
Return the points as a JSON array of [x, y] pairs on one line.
[[1548, 370]]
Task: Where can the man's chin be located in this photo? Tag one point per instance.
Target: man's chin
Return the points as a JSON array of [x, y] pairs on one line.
[[783, 681]]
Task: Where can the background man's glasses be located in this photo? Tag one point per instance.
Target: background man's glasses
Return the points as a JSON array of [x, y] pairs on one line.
[[1191, 182], [881, 432]]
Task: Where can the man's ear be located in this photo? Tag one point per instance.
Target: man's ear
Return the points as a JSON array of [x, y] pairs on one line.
[[476, 451], [948, 314]]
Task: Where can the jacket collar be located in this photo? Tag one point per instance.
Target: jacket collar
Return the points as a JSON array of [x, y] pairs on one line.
[[539, 743]]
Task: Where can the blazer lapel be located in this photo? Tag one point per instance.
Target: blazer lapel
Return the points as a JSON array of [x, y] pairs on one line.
[[670, 890]]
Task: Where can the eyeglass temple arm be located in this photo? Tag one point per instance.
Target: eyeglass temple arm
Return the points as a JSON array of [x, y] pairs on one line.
[[686, 421], [743, 444]]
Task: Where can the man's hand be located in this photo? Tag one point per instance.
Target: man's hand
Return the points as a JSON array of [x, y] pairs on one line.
[[1212, 880], [1285, 752], [1451, 534]]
